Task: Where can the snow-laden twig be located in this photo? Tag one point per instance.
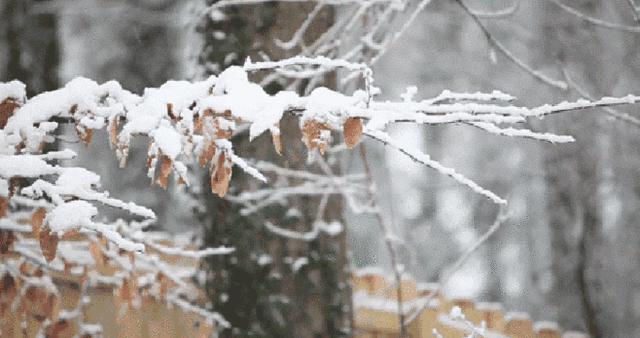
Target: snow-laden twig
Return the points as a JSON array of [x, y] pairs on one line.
[[594, 21], [525, 133], [616, 114], [422, 158]]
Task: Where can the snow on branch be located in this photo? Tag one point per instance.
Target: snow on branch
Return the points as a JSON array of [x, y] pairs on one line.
[[423, 158]]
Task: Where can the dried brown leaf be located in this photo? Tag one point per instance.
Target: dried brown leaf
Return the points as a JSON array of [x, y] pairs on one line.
[[207, 153], [221, 176], [95, 250], [352, 131], [48, 243], [7, 108], [277, 142], [4, 206], [165, 170], [37, 220], [113, 131]]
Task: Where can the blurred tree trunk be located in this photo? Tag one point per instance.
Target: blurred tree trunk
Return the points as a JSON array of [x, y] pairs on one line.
[[257, 289], [32, 48], [573, 174]]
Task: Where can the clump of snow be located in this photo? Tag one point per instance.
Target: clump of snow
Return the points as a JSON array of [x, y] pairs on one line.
[[24, 166], [71, 215], [13, 90], [327, 106], [77, 178], [167, 139]]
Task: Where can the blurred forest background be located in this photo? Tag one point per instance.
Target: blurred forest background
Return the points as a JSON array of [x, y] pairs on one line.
[[569, 250]]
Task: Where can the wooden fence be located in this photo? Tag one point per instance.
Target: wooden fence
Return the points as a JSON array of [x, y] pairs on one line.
[[376, 313]]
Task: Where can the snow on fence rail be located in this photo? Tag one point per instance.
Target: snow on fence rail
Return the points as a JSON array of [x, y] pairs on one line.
[[376, 314]]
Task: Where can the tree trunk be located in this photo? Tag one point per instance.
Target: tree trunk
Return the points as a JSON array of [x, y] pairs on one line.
[[32, 51], [257, 289]]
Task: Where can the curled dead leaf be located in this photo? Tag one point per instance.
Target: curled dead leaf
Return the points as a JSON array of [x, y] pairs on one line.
[[221, 175], [7, 108], [277, 142], [352, 131], [37, 219], [48, 243], [4, 206], [165, 170], [207, 153], [113, 132]]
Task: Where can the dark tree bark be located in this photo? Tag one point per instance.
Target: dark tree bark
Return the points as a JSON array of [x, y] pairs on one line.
[[268, 298], [32, 48]]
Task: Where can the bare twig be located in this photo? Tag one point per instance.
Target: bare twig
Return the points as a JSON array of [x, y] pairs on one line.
[[597, 22], [500, 47]]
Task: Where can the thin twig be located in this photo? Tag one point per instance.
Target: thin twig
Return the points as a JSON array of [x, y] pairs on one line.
[[618, 115], [500, 47], [594, 21]]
